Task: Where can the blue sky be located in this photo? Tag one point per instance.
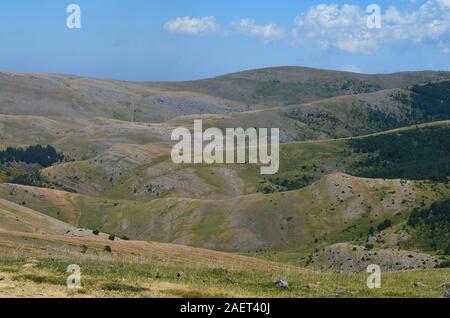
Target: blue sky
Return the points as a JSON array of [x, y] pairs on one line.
[[191, 39]]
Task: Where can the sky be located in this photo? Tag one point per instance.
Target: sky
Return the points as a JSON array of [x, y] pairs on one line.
[[169, 40]]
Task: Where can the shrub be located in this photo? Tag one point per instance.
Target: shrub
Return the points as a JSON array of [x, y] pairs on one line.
[[433, 225], [114, 286], [369, 246], [447, 250], [444, 264], [40, 279], [384, 225]]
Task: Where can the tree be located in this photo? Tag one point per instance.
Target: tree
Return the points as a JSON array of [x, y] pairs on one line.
[[384, 225]]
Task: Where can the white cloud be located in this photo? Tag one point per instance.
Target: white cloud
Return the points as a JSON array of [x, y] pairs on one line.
[[444, 47], [193, 26], [333, 26], [345, 27], [444, 3], [350, 68], [268, 32]]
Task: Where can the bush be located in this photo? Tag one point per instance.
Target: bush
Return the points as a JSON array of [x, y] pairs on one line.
[[433, 225], [54, 280], [96, 232], [112, 237], [369, 246], [108, 249], [447, 250], [34, 179], [444, 264], [384, 225], [114, 286]]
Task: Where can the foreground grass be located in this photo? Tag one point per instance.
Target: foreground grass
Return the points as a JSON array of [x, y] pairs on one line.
[[106, 279]]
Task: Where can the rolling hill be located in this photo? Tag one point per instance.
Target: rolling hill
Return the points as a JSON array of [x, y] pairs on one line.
[[282, 86], [361, 156], [14, 217]]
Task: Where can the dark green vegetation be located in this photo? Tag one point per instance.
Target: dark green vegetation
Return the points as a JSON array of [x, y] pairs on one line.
[[35, 179], [431, 101], [294, 93], [381, 121], [417, 154], [38, 279], [291, 93], [302, 164], [115, 286], [432, 226], [362, 114], [24, 165], [43, 156], [384, 225], [288, 183]]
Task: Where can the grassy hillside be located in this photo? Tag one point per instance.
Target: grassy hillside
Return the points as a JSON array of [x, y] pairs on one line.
[[15, 217], [363, 177], [136, 192], [54, 95], [233, 207], [282, 86], [335, 209], [139, 269], [432, 227], [51, 95], [349, 116]]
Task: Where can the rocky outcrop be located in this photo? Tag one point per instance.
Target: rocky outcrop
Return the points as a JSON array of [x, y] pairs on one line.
[[346, 258]]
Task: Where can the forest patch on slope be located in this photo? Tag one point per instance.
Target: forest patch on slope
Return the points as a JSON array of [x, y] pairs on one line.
[[417, 154]]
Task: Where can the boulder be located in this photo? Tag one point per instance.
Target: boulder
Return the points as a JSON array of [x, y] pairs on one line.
[[445, 285], [282, 283], [420, 285]]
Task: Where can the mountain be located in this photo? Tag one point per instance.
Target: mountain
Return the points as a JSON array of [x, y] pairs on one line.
[[53, 95], [296, 85], [364, 175], [305, 103]]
